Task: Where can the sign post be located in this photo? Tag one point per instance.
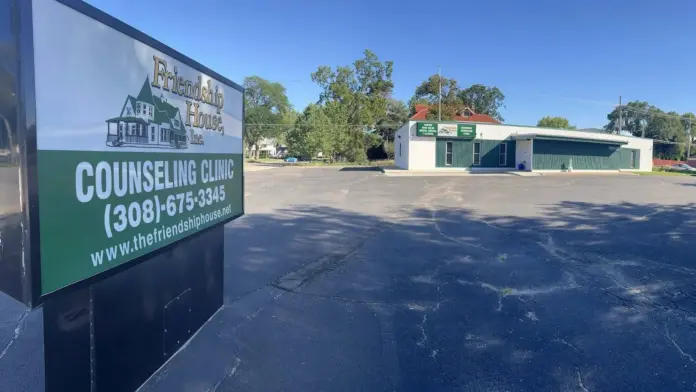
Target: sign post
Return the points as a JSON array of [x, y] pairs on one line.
[[128, 160]]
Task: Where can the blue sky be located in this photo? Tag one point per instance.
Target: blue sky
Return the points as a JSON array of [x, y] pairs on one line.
[[567, 58]]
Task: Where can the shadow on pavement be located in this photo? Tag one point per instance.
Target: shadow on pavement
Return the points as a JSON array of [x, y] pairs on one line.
[[587, 296], [582, 297], [360, 168]]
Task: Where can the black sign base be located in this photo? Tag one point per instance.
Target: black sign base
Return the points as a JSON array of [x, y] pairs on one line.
[[114, 334]]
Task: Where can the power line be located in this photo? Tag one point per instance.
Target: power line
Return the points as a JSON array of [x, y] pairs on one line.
[[331, 125], [659, 114]]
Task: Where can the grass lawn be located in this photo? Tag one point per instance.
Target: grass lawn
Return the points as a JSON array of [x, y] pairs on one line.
[[663, 173], [264, 160], [322, 163]]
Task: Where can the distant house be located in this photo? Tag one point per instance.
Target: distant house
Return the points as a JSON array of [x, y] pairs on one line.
[[465, 114], [148, 121], [269, 148]]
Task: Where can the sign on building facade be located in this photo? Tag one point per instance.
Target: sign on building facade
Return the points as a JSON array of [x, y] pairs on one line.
[[426, 129], [464, 131]]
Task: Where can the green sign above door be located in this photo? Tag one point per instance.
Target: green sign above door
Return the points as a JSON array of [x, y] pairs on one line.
[[426, 129], [466, 131]]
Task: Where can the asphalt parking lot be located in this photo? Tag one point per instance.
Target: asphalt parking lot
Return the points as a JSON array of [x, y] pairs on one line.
[[347, 280]]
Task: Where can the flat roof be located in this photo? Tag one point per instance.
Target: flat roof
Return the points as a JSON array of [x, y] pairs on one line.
[[582, 137], [531, 127]]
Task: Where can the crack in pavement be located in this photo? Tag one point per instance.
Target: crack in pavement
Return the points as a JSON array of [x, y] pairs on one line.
[[595, 267], [682, 352], [513, 292], [439, 193], [580, 382], [564, 342], [424, 335], [228, 374], [439, 230], [324, 264], [17, 333], [488, 287], [345, 299]]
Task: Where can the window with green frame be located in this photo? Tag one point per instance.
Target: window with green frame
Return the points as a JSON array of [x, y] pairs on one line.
[[477, 153]]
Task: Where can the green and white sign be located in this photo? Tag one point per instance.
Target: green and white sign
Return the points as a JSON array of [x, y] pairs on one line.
[[466, 131], [447, 130], [426, 129], [136, 150]]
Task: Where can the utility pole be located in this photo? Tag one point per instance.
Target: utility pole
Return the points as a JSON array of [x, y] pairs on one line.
[[620, 117], [439, 79]]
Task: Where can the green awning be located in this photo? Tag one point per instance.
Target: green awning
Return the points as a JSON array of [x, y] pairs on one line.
[[579, 139], [582, 140]]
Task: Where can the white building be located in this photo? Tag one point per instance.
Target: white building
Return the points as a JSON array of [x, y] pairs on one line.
[[429, 145], [269, 148]]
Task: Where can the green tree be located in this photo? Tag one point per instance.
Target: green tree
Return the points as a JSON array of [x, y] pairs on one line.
[[388, 147], [354, 98], [483, 100], [634, 118], [669, 134], [689, 123], [429, 92], [310, 135], [266, 105], [397, 114], [288, 122], [554, 122], [362, 88], [669, 130]]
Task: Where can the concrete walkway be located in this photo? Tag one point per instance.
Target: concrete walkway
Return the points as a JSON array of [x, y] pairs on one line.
[[449, 172], [457, 172], [252, 167]]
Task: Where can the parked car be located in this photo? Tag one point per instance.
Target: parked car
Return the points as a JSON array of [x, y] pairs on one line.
[[291, 160], [682, 167]]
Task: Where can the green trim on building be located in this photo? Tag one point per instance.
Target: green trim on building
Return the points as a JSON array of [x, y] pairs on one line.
[[565, 154], [463, 153], [524, 126], [579, 140]]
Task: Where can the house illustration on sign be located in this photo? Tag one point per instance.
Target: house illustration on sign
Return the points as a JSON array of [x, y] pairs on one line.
[[147, 121]]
